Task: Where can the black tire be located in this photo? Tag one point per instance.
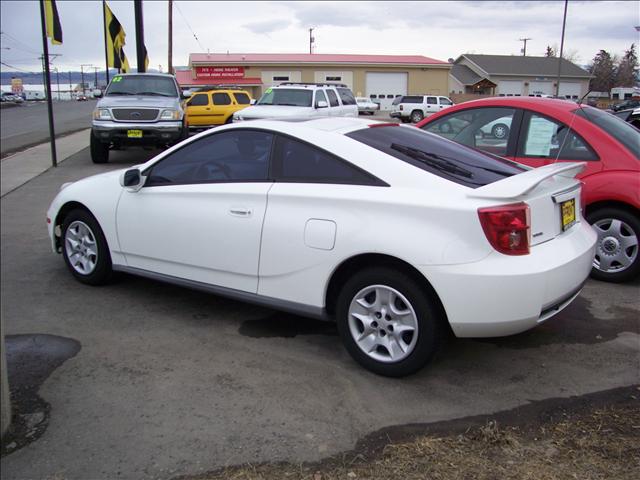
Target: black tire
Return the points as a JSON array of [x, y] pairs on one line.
[[500, 131], [610, 246], [417, 116], [405, 120], [430, 322], [229, 120], [99, 150], [102, 271]]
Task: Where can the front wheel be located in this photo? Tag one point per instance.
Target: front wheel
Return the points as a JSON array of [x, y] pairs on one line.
[[387, 323], [85, 249], [617, 258], [500, 131], [99, 150]]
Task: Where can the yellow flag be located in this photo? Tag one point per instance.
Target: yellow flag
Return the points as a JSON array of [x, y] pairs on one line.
[[52, 20]]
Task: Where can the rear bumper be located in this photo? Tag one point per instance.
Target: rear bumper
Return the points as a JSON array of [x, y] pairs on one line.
[[503, 295]]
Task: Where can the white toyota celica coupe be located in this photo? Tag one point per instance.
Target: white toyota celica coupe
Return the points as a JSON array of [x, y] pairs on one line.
[[396, 234]]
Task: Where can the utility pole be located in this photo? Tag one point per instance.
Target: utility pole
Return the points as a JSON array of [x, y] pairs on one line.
[[524, 50], [95, 84], [82, 76], [137, 8], [564, 22], [170, 67], [55, 69], [70, 85], [311, 40]]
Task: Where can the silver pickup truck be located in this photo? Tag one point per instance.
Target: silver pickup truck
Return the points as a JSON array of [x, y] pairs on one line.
[[138, 109]]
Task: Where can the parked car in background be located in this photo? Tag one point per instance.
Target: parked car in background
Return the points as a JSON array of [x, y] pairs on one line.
[[302, 100], [631, 103], [365, 105], [396, 234], [81, 97], [413, 108], [547, 131], [11, 97], [138, 109], [631, 116], [215, 107]]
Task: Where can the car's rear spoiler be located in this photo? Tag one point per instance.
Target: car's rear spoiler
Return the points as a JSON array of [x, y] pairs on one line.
[[520, 184]]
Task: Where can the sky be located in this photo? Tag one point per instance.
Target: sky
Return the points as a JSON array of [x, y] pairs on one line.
[[435, 29]]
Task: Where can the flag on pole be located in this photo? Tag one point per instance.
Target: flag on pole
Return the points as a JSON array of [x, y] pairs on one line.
[[52, 20], [115, 38]]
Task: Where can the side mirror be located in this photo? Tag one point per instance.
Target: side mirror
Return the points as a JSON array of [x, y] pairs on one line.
[[97, 93], [322, 104], [185, 95], [132, 180], [252, 101]]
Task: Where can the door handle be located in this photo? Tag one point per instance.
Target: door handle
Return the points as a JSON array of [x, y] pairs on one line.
[[240, 211]]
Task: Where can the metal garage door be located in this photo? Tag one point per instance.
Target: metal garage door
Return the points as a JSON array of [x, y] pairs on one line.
[[383, 87], [509, 88], [570, 90], [540, 88]]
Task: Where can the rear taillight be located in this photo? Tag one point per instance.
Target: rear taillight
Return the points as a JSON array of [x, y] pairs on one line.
[[508, 228]]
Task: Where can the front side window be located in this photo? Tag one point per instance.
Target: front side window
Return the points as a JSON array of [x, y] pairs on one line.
[[142, 85], [320, 97], [333, 98], [546, 138], [242, 98], [488, 129], [293, 97], [232, 156], [445, 101], [346, 96], [198, 100], [221, 99], [457, 163], [296, 161]]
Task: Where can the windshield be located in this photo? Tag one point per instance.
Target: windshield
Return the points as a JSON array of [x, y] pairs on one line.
[[447, 159], [292, 97], [142, 85], [619, 129]]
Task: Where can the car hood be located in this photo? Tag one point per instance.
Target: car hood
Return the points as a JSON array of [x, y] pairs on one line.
[[133, 101], [271, 111]]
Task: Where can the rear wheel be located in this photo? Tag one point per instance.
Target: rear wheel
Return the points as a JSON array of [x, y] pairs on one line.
[[387, 323], [617, 258], [99, 150], [500, 131], [417, 116], [85, 249]]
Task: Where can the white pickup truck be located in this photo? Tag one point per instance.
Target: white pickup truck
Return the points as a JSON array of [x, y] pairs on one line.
[[413, 108]]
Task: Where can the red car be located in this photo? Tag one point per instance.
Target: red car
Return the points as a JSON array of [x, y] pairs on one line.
[[539, 131]]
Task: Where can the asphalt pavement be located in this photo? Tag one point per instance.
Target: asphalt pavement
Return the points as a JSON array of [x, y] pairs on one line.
[[28, 124], [167, 381]]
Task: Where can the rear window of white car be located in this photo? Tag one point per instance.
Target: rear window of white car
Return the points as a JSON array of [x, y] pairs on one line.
[[436, 155]]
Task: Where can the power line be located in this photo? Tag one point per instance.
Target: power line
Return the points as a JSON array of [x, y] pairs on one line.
[[29, 49], [16, 68], [189, 26]]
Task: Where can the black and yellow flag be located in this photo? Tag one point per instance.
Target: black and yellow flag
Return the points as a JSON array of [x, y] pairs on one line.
[[115, 38], [54, 29]]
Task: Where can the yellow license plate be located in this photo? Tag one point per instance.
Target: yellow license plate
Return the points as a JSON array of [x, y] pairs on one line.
[[568, 210], [134, 133]]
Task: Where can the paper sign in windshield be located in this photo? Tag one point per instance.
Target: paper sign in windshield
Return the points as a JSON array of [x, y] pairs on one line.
[[541, 132]]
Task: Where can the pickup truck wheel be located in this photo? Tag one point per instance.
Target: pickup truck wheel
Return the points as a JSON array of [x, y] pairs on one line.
[[617, 256], [417, 116], [99, 150]]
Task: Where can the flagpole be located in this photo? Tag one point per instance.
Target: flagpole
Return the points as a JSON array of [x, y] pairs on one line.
[[137, 9], [45, 48], [104, 24]]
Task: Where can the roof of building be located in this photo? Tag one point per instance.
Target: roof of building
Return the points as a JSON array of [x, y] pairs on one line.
[[315, 58], [521, 65], [185, 77], [465, 75]]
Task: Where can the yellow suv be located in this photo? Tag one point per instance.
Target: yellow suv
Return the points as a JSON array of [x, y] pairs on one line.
[[215, 107]]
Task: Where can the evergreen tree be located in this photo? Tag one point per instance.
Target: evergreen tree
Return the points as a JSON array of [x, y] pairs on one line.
[[603, 70], [550, 52], [626, 71]]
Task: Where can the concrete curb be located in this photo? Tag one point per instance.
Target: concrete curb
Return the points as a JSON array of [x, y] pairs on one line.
[[19, 168]]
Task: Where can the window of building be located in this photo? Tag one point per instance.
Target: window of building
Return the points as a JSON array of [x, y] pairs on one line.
[[333, 79], [281, 79]]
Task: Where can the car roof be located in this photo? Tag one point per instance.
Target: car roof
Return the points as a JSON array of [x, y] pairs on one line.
[[341, 125], [523, 102]]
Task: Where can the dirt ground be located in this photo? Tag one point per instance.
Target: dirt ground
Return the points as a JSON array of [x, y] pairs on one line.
[[587, 438]]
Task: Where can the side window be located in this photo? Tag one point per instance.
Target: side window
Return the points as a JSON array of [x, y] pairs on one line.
[[296, 161], [546, 138], [411, 99], [320, 97], [333, 98], [198, 100], [221, 99], [432, 101], [445, 101], [346, 96], [242, 98], [485, 128], [232, 156]]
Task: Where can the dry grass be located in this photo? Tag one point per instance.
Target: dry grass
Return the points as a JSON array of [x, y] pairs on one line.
[[601, 443]]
